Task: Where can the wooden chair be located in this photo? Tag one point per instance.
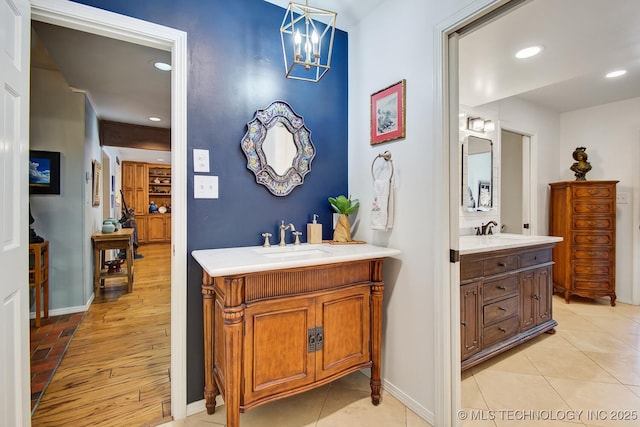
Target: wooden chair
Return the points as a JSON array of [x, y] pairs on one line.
[[39, 276]]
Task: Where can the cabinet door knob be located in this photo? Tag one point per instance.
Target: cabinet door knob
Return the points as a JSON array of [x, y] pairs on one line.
[[463, 323]]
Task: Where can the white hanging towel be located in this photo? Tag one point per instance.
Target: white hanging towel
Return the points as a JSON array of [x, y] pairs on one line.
[[382, 209]]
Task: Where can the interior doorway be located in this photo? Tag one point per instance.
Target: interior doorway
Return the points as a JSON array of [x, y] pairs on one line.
[[515, 182], [104, 23]]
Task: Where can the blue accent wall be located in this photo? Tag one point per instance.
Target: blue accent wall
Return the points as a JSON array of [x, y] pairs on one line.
[[235, 68]]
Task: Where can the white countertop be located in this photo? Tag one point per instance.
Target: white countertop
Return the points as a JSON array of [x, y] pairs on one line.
[[475, 244], [251, 259]]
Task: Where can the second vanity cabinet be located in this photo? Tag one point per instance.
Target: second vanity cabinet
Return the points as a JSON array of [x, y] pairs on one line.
[[505, 299]]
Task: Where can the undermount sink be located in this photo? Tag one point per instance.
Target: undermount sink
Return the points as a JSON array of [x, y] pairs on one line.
[[289, 251]]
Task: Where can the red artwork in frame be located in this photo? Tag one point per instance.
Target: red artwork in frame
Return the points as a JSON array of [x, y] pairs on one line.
[[388, 107]]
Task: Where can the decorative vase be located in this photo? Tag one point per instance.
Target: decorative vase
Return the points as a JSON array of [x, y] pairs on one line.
[[108, 227], [342, 233]]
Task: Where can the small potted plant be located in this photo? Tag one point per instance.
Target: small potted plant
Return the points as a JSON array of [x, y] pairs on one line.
[[344, 207]]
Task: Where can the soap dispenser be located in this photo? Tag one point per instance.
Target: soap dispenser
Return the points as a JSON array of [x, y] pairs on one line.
[[314, 231]]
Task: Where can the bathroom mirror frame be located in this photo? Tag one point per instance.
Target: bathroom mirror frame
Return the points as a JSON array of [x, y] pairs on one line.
[[483, 181], [264, 121]]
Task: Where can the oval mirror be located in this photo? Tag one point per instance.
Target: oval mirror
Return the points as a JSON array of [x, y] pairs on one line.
[[278, 148]]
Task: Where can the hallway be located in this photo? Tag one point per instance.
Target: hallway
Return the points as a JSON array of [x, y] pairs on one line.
[[117, 368]]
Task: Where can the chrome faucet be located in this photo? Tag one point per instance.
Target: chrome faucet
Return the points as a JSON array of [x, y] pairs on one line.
[[486, 228], [284, 228]]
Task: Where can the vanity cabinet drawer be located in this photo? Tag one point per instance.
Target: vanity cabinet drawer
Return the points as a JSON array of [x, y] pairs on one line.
[[599, 238], [500, 331], [594, 207], [470, 269], [500, 264], [500, 310], [594, 191], [500, 288], [528, 259], [592, 223]]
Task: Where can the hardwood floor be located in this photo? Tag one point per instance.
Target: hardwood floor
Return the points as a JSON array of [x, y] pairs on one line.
[[116, 370]]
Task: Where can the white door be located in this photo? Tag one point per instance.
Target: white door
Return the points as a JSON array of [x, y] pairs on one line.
[[14, 156]]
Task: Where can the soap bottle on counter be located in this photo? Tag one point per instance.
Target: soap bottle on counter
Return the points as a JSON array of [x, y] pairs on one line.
[[314, 231]]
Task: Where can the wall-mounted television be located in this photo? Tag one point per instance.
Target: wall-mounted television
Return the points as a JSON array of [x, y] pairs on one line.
[[44, 172]]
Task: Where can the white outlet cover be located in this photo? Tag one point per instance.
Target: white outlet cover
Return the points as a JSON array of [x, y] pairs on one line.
[[205, 187]]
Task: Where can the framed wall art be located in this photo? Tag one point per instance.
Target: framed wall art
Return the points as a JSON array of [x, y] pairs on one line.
[[44, 172], [96, 173], [388, 108]]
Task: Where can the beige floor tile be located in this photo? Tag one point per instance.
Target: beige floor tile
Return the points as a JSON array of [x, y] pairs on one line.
[[541, 419], [471, 395], [475, 418], [596, 341], [354, 409], [301, 410], [507, 390], [356, 381], [625, 367], [567, 363], [547, 340], [617, 325], [591, 397], [568, 320], [414, 420], [634, 389], [510, 361]]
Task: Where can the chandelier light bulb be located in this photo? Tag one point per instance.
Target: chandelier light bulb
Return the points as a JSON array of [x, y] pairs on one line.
[[297, 42], [314, 43]]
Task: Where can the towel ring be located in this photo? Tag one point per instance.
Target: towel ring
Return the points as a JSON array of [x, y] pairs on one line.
[[387, 157]]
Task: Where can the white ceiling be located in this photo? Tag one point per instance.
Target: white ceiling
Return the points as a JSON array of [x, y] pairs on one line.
[[582, 39]]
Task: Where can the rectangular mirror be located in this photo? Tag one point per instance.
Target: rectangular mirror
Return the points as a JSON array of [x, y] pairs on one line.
[[477, 174]]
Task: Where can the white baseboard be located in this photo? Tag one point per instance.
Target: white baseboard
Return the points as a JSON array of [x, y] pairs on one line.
[[196, 407], [66, 310], [407, 401]]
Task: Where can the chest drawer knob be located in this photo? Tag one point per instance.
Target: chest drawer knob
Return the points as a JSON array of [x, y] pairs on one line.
[[501, 287], [502, 264], [503, 330]]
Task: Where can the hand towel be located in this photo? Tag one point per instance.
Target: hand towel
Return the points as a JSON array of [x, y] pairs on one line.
[[382, 209]]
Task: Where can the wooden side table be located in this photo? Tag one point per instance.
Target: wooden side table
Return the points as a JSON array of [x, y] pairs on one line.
[[121, 239], [39, 276]]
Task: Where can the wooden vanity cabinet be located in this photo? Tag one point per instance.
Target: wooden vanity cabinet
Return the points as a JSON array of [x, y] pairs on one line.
[[273, 334], [584, 214], [505, 299]]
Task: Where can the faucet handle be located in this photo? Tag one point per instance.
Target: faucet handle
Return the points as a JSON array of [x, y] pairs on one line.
[[297, 234], [266, 236]]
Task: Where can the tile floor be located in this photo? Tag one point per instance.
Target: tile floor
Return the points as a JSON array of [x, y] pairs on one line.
[[345, 402], [584, 375], [588, 373], [49, 343]]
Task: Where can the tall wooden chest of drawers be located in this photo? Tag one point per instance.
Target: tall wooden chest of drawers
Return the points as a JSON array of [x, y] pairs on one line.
[[583, 213]]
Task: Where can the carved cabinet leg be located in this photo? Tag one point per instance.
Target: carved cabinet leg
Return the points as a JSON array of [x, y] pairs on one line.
[[232, 332], [377, 289], [210, 387]]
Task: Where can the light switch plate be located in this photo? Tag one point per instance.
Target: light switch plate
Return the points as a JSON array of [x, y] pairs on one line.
[[200, 160], [205, 187], [622, 198]]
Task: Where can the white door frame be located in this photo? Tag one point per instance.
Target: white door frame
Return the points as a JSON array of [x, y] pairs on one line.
[[447, 361], [108, 24]]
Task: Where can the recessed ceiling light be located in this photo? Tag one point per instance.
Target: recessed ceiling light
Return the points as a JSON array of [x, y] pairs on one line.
[[162, 66], [616, 73], [528, 52], [155, 119]]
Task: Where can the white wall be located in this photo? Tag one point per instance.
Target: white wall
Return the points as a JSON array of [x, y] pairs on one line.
[[57, 124], [382, 51], [611, 134], [543, 126], [92, 214]]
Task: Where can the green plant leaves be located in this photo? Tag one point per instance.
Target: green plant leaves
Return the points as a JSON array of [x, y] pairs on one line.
[[344, 205]]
